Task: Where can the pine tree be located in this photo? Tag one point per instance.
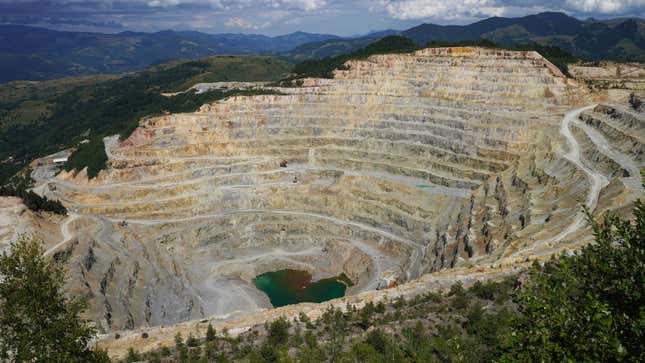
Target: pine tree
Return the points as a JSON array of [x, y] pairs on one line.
[[210, 333]]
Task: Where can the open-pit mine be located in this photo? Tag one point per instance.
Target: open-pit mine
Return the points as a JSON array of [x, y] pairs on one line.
[[401, 171]]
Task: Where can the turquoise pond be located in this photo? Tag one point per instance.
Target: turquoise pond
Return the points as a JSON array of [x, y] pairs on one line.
[[287, 287]]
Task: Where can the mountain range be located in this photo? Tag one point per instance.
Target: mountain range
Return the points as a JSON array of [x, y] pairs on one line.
[[614, 39], [29, 53]]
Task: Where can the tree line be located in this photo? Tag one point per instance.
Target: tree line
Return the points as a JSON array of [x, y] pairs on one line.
[[324, 68], [19, 186]]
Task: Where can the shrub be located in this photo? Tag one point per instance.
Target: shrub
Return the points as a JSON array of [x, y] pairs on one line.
[[380, 308], [484, 290], [589, 306], [456, 288], [191, 341], [133, 356], [164, 352], [179, 341], [377, 340], [458, 294], [209, 350], [269, 352], [210, 333], [399, 302], [278, 332]]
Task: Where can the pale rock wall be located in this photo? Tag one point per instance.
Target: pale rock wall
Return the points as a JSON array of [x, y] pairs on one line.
[[443, 160]]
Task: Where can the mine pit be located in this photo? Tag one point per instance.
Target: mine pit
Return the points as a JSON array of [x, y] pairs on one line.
[[401, 166]]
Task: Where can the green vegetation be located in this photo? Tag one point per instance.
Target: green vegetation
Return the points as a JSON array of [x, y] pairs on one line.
[[617, 39], [589, 306], [430, 327], [324, 68], [122, 116], [31, 53], [76, 111], [19, 185], [559, 57], [620, 39], [91, 155], [37, 322], [326, 48], [23, 102]]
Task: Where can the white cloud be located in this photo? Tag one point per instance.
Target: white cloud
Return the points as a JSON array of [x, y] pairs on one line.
[[163, 3], [240, 23], [303, 5], [467, 9], [279, 16], [306, 5], [604, 6], [445, 9]]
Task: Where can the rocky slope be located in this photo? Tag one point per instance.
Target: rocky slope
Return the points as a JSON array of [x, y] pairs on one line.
[[411, 170]]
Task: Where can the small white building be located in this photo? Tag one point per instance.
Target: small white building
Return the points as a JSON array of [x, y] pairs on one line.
[[59, 161]]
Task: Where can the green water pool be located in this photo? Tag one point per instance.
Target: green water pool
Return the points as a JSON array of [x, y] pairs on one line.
[[287, 287]]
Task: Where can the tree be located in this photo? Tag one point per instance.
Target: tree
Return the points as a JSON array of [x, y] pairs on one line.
[[278, 332], [133, 356], [589, 306], [210, 333], [335, 327], [179, 341], [310, 352], [37, 322], [191, 341]]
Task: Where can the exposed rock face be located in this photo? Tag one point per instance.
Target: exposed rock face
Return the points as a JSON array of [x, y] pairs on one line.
[[16, 219], [400, 166], [610, 75]]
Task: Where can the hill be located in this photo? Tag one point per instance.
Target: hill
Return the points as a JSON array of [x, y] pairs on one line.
[[615, 39], [29, 53], [44, 117]]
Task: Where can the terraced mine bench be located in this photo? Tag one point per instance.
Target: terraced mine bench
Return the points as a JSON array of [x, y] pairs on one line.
[[400, 166]]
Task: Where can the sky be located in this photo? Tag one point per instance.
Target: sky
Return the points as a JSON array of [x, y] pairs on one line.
[[275, 17]]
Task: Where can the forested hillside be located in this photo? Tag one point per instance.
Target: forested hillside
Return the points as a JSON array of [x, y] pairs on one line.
[[618, 39], [29, 53], [46, 119]]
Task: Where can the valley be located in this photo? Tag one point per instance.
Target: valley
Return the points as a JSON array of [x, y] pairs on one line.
[[405, 172]]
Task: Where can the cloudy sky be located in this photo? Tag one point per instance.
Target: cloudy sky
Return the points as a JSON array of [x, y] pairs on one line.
[[273, 17]]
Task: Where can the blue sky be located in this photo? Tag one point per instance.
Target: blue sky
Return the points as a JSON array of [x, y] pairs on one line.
[[273, 17]]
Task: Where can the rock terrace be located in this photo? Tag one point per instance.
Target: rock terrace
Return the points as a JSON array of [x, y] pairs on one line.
[[400, 166]]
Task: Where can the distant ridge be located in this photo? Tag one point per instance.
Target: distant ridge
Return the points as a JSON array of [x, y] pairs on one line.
[[31, 53], [612, 39]]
